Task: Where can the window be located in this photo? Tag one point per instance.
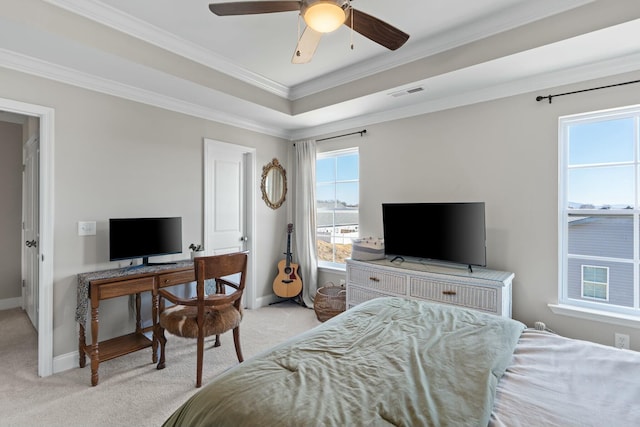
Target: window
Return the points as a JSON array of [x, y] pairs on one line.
[[599, 211], [595, 282], [337, 203]]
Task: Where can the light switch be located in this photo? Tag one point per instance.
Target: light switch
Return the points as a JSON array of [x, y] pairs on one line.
[[86, 228]]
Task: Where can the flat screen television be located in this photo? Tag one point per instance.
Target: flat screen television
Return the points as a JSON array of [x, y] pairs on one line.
[[131, 238], [450, 232]]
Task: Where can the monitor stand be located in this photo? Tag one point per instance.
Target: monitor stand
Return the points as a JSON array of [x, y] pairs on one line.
[[146, 263]]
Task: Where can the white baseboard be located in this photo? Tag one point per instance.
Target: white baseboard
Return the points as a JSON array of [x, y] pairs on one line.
[[67, 361], [270, 299], [265, 301], [7, 303]]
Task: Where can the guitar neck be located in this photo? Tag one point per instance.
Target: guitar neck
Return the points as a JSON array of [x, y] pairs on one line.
[[288, 253]]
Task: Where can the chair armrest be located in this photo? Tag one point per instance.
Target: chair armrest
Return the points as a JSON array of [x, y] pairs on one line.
[[175, 299], [212, 300], [220, 300]]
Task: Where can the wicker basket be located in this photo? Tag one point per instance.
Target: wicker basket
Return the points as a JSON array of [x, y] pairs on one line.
[[329, 302]]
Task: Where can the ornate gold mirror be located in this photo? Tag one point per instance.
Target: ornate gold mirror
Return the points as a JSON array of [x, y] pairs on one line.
[[274, 184]]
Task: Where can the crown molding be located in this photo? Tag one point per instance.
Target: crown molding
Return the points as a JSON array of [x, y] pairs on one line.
[[529, 84], [55, 72], [32, 66], [113, 18]]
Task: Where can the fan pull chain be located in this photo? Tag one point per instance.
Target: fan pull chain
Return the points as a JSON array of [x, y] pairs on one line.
[[298, 39], [351, 13]]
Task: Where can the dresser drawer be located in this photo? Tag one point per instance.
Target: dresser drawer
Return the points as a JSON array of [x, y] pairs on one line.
[[122, 287], [470, 296], [384, 281], [176, 278], [357, 295]]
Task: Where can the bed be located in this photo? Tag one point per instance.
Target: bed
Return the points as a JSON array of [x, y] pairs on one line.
[[397, 362]]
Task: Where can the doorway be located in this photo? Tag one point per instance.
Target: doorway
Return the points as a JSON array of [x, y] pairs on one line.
[[43, 269], [229, 204]]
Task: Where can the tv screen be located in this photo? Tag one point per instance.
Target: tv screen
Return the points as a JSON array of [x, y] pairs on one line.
[[144, 237], [452, 232]]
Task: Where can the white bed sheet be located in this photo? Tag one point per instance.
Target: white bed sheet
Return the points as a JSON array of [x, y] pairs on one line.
[[557, 381]]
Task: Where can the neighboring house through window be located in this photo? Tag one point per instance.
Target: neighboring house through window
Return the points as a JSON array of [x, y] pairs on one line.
[[599, 223], [337, 204]]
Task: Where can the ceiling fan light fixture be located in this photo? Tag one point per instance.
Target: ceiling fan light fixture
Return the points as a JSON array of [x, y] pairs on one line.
[[324, 17]]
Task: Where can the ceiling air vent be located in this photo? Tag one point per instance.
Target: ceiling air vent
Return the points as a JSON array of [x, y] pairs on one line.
[[407, 91]]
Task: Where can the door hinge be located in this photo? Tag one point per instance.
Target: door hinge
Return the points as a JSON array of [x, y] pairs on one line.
[[24, 284]]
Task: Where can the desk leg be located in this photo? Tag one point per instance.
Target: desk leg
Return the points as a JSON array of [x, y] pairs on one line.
[[95, 353], [138, 318], [154, 315], [81, 343]]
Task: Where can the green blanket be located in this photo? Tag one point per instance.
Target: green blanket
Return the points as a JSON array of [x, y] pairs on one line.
[[389, 361]]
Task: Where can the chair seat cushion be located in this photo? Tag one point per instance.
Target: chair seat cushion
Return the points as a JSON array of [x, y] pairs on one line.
[[181, 320]]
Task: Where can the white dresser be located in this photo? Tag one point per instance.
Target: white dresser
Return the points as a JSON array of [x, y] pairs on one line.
[[483, 289]]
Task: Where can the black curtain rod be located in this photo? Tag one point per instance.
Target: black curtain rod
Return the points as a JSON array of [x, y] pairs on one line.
[[361, 132], [550, 97]]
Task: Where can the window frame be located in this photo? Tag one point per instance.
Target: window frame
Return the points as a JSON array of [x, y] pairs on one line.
[[594, 306], [334, 154]]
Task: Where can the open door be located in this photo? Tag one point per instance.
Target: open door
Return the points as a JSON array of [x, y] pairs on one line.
[[229, 197], [30, 233]]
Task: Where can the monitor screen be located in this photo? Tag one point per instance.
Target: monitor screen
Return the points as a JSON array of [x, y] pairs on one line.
[[144, 237]]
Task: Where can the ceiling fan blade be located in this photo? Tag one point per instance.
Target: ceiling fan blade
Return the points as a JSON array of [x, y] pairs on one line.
[[306, 46], [253, 7], [379, 31]]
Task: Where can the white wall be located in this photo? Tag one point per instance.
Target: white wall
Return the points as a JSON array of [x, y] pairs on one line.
[[10, 212], [116, 158], [504, 153]]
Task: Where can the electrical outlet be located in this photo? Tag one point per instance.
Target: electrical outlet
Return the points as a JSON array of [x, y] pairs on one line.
[[621, 341]]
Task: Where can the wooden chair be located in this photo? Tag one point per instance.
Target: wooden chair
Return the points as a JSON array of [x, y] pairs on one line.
[[205, 315]]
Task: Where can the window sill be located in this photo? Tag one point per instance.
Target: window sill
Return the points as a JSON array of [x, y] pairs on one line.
[[333, 268], [595, 315]]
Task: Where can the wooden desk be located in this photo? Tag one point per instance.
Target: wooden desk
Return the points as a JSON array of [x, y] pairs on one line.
[[101, 285]]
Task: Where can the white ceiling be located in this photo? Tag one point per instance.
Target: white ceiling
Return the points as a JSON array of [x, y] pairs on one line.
[[256, 50]]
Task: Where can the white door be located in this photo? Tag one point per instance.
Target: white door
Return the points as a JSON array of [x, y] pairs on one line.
[[224, 200], [30, 234], [228, 203]]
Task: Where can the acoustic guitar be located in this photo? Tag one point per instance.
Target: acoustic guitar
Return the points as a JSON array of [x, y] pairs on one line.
[[288, 283]]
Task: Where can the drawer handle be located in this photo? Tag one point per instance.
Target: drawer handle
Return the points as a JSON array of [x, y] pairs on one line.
[[374, 279], [449, 293], [166, 280]]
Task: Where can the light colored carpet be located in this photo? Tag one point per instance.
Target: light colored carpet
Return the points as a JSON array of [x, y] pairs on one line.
[[131, 392]]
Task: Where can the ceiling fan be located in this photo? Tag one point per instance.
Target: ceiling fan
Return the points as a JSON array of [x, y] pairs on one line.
[[321, 16]]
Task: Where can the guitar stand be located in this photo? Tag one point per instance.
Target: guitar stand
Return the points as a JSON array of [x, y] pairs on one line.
[[297, 299]]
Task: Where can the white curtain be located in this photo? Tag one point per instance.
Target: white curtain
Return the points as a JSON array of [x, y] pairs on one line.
[[305, 217]]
